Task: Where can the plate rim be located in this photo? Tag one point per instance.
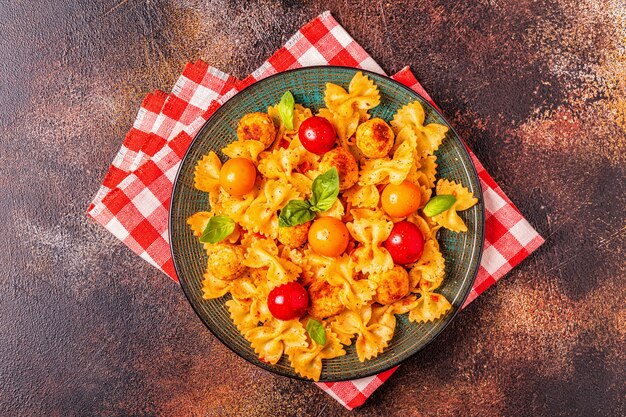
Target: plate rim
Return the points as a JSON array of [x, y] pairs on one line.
[[481, 228]]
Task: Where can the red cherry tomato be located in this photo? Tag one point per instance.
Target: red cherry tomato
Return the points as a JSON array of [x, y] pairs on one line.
[[317, 135], [405, 243], [289, 301]]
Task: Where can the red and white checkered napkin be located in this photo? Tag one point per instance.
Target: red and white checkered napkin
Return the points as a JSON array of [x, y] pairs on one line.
[[134, 199]]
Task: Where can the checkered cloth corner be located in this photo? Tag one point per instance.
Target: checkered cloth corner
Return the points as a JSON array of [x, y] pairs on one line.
[[133, 201]]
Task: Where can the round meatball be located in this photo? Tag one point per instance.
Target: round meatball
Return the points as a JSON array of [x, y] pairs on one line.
[[324, 300], [392, 285], [374, 138], [295, 236], [346, 166], [226, 261], [257, 126]]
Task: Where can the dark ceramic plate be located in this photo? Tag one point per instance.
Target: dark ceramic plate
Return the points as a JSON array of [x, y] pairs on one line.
[[461, 251]]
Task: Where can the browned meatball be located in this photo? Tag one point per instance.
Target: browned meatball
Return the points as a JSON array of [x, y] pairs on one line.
[[346, 166], [295, 236], [374, 138], [392, 285], [257, 126], [226, 261], [325, 300]]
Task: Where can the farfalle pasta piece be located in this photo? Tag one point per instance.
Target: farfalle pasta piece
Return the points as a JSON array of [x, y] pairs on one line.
[[253, 287], [374, 327], [371, 230], [354, 293], [313, 265], [280, 162], [198, 222], [429, 271], [366, 196], [233, 206], [309, 272], [261, 216], [428, 169], [430, 306], [464, 200], [381, 328], [362, 94], [275, 338], [394, 170], [429, 136], [207, 173], [241, 315], [263, 253], [411, 114], [307, 361], [421, 149], [213, 287], [348, 323], [293, 164], [248, 306], [249, 149]]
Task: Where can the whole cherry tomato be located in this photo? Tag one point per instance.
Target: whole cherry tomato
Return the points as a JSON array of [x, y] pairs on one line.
[[329, 236], [405, 243], [317, 135], [401, 200], [288, 302], [237, 176]]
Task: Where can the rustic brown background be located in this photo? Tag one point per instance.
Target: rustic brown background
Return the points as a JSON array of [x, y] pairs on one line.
[[536, 87]]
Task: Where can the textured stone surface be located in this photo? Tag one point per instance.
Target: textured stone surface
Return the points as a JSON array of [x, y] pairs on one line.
[[538, 89]]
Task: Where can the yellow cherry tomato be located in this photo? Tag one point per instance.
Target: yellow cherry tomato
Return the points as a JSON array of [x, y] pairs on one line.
[[402, 199], [328, 236], [237, 176]]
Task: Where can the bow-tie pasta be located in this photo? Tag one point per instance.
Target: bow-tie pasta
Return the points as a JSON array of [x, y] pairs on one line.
[[298, 242], [429, 136], [275, 338], [244, 149], [371, 229], [307, 361], [464, 200], [263, 253], [373, 326], [362, 94], [428, 307]]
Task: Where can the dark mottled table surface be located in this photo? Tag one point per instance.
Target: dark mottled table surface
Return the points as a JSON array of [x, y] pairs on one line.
[[537, 88]]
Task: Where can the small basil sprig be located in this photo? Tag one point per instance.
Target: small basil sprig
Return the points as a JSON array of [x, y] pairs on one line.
[[324, 192], [316, 332], [285, 109], [294, 213], [218, 229], [438, 204]]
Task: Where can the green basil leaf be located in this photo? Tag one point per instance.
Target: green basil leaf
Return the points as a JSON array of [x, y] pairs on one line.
[[325, 190], [294, 213], [316, 332], [438, 204], [285, 109], [218, 229]]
